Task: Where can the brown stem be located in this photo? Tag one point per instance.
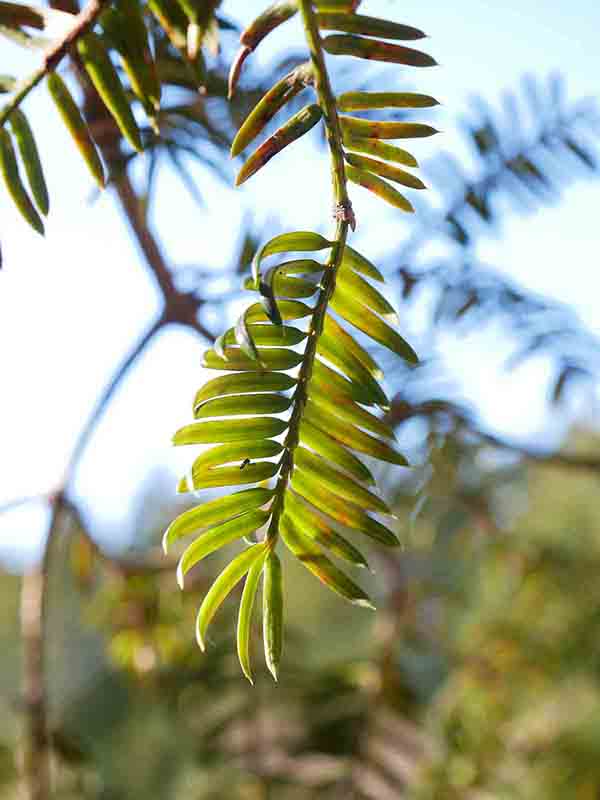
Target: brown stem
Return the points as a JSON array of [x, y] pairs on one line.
[[36, 756], [148, 245], [402, 411]]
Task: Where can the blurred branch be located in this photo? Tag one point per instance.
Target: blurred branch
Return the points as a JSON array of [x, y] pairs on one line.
[[148, 245], [149, 562], [403, 410], [17, 502], [586, 463], [531, 168], [105, 398], [36, 770], [34, 590]]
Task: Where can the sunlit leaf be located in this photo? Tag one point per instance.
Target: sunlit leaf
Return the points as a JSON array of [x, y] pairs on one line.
[[350, 435], [368, 322], [237, 405], [242, 383], [274, 100], [225, 582], [334, 330], [372, 129], [354, 260], [233, 452], [288, 309], [273, 612], [234, 430], [298, 241], [376, 147], [326, 381], [323, 444], [313, 558], [30, 158], [76, 126], [244, 625], [265, 335], [335, 353], [338, 482], [340, 44], [379, 187], [368, 26], [317, 528], [214, 512], [218, 537], [275, 358], [355, 414], [204, 478], [300, 266], [10, 172], [386, 171], [108, 85], [359, 101], [282, 285], [297, 126], [340, 510], [369, 296]]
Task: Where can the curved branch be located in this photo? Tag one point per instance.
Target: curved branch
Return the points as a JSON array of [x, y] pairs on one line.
[[586, 463], [144, 237], [34, 591], [401, 411], [52, 57], [106, 396], [17, 502]]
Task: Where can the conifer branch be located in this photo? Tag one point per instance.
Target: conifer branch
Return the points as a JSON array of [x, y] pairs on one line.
[[344, 221]]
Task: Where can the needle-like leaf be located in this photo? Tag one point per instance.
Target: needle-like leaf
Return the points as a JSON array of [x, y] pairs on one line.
[[226, 581], [218, 537]]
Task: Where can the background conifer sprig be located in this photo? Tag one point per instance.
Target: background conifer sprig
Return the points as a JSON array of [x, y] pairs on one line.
[[319, 496], [114, 43]]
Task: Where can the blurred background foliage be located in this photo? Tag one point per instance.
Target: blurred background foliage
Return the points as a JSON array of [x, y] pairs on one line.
[[479, 676]]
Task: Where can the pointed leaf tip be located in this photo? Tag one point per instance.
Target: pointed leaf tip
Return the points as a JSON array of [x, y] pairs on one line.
[[365, 604], [222, 586], [244, 626], [10, 172], [293, 129], [273, 613], [180, 575]]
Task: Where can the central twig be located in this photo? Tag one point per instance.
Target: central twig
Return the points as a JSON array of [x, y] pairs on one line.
[[344, 219]]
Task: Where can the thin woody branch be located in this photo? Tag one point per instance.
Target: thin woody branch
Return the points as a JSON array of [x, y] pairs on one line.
[[402, 411], [105, 398], [36, 762], [34, 592]]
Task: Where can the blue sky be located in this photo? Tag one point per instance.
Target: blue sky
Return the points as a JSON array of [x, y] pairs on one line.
[[72, 302]]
